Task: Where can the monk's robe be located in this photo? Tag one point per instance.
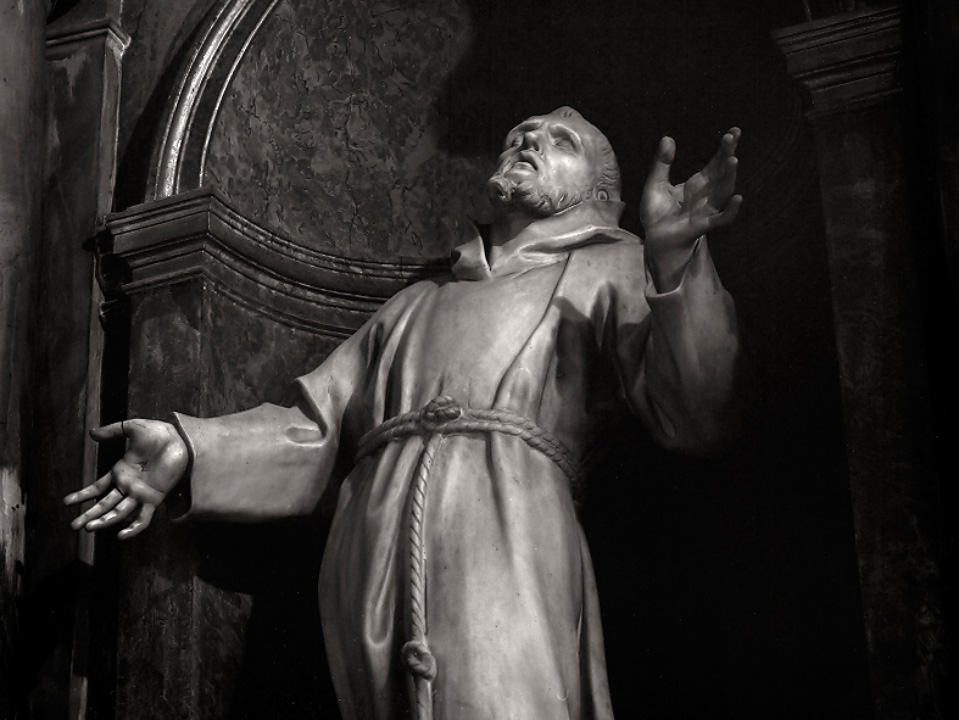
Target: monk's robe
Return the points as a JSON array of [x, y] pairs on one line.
[[559, 336]]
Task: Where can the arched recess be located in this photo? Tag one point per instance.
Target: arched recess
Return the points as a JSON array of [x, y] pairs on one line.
[[195, 102], [188, 227]]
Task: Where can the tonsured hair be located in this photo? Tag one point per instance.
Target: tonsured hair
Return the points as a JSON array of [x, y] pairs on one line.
[[608, 180]]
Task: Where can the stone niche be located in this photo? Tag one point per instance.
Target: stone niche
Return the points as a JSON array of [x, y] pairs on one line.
[[315, 157], [331, 126]]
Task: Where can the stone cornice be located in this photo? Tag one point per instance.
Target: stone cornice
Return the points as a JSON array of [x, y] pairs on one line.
[[846, 60], [197, 235], [61, 38]]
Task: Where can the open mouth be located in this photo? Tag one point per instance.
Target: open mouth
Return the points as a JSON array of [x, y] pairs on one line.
[[525, 161]]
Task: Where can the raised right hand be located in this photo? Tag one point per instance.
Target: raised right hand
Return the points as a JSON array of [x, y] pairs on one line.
[[155, 459], [674, 216]]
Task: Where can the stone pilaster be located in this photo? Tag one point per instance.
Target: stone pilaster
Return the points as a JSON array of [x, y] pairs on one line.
[[82, 78], [22, 26], [849, 65]]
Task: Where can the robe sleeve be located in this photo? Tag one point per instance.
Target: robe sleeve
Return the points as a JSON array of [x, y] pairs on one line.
[[677, 352], [273, 461]]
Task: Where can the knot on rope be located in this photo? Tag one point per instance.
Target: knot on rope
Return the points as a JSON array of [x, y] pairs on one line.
[[419, 660], [442, 409]]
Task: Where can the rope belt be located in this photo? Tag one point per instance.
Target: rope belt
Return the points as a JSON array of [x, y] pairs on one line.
[[443, 416]]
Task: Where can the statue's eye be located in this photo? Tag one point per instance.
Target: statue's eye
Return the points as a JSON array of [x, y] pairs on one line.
[[563, 143]]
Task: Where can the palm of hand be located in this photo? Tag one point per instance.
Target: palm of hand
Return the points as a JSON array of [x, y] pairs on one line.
[[155, 460], [675, 215]]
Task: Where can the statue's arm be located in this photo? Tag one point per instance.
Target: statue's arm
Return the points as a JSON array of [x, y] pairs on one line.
[[679, 352], [268, 462], [265, 463], [676, 325]]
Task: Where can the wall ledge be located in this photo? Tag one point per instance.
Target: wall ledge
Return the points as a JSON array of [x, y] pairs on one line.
[[845, 61], [196, 234]]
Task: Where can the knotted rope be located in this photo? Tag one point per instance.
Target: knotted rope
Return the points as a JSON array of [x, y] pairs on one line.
[[443, 416]]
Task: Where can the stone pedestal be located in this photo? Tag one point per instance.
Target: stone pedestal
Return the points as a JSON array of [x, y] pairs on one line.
[[849, 64]]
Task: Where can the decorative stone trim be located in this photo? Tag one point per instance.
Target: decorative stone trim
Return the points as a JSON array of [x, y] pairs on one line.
[[60, 38], [846, 60], [196, 101], [197, 235]]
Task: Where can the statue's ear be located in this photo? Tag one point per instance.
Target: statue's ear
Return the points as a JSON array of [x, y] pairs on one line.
[[602, 194]]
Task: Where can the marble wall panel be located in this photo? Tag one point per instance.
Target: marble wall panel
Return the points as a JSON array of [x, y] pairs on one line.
[[331, 131], [218, 620]]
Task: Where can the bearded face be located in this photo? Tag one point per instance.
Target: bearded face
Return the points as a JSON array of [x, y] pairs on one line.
[[549, 164], [529, 193]]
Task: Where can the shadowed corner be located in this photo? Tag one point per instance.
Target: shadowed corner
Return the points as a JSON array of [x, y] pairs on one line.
[[47, 616], [281, 666]]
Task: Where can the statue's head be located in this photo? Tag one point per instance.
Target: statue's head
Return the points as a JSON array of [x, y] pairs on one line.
[[552, 162]]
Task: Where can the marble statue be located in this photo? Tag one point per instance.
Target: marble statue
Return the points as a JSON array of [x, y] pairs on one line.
[[456, 582]]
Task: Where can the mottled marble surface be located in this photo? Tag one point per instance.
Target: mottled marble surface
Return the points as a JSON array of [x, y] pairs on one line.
[[331, 131], [218, 620]]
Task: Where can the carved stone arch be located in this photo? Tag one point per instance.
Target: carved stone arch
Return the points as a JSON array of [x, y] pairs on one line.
[[190, 227], [195, 103]]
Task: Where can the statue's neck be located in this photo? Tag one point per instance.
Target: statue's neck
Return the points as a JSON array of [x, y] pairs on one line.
[[504, 229], [509, 226]]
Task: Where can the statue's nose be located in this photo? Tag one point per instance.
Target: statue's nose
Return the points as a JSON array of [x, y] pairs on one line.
[[531, 140]]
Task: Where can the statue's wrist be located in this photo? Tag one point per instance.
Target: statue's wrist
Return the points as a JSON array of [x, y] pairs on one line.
[[179, 500], [667, 266]]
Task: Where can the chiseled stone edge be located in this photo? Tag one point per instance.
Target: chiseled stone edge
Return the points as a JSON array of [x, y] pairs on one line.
[[196, 234], [59, 37], [847, 60]]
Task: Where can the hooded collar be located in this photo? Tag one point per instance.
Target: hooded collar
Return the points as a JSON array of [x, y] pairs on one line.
[[542, 242]]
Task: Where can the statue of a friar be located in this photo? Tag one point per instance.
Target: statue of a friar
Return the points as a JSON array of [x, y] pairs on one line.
[[456, 582]]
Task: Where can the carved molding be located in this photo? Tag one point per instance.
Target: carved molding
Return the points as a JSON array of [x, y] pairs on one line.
[[197, 235], [845, 61], [100, 41], [61, 40], [223, 41]]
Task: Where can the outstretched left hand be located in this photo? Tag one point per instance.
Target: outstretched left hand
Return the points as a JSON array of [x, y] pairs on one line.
[[674, 216]]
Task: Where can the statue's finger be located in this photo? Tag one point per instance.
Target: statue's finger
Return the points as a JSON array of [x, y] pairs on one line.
[[665, 155], [139, 523], [129, 480], [727, 182], [121, 511], [730, 141], [90, 492], [728, 214], [727, 148], [108, 432], [678, 192], [110, 501]]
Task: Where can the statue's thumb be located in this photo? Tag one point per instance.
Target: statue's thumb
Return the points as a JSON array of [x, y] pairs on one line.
[[107, 432]]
